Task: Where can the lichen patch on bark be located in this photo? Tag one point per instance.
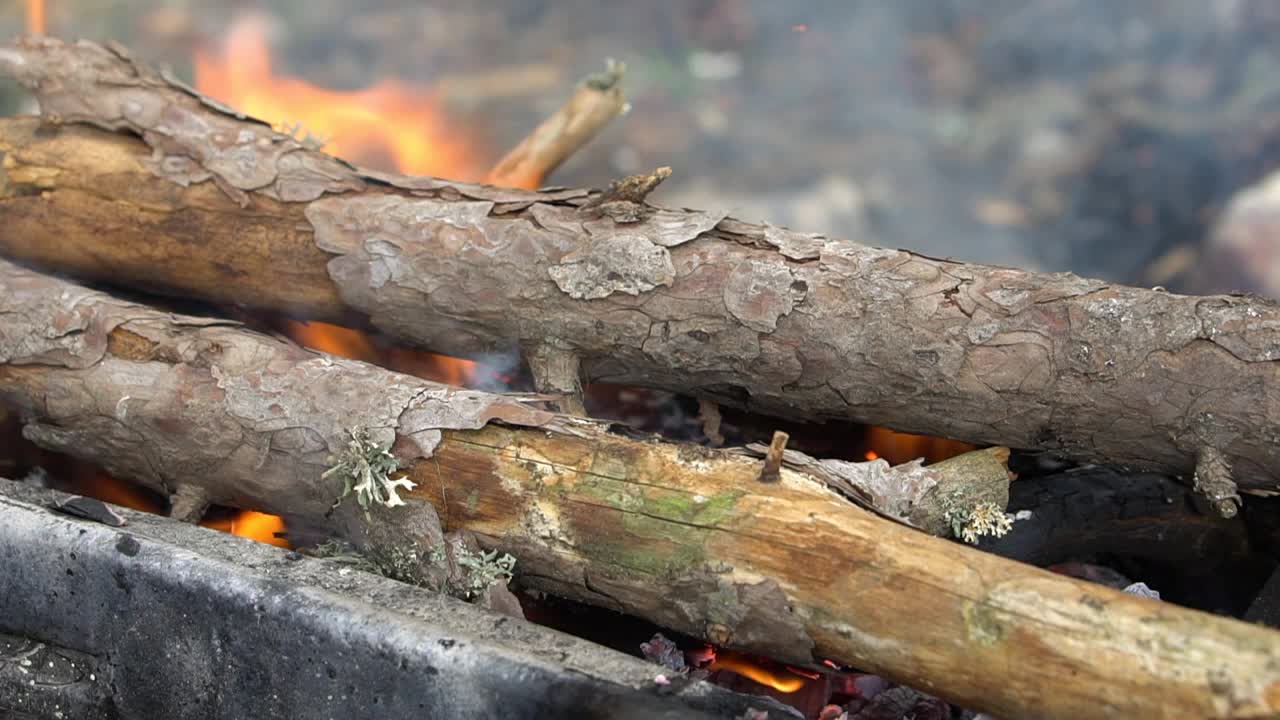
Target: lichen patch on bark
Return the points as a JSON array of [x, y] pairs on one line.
[[619, 263]]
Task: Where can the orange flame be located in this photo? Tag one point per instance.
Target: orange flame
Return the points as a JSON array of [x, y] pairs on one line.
[[353, 344], [781, 680], [332, 339], [429, 365], [86, 480], [389, 124], [897, 447], [108, 488], [36, 22], [253, 525]]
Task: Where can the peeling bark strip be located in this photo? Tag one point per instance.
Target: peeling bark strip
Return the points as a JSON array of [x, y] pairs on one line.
[[758, 317], [681, 535]]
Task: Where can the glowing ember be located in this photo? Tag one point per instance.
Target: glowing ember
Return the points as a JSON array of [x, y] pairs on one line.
[[440, 368], [335, 340], [803, 672], [389, 124], [36, 17], [107, 488]]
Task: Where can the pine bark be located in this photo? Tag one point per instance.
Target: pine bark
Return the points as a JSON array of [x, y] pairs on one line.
[[202, 202], [687, 537]]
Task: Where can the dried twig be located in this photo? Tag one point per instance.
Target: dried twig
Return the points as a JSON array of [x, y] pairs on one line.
[[709, 412], [598, 100], [771, 472]]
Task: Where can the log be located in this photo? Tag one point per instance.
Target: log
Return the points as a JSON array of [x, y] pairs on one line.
[[215, 205], [687, 537]]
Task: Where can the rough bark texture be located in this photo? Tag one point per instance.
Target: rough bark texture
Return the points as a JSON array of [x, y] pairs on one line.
[[52, 321], [219, 206], [684, 536]]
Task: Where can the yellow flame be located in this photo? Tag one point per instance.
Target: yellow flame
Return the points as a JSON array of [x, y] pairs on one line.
[[389, 124], [782, 681], [253, 525], [899, 447]]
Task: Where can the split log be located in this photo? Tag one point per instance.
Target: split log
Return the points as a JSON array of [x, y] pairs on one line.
[[215, 205], [684, 536]]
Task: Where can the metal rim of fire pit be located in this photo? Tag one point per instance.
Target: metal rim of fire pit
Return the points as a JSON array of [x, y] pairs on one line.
[[164, 619]]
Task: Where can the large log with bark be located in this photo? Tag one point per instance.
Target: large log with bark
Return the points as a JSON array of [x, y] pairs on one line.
[[211, 204], [687, 537]]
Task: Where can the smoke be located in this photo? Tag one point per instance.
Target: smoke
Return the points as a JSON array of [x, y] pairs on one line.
[[499, 372], [1081, 135]]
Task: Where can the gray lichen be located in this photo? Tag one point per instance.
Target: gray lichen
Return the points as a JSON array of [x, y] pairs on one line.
[[972, 522], [609, 78], [303, 136], [365, 468], [476, 570], [341, 551], [398, 562], [620, 263], [1213, 480], [402, 563], [455, 566]]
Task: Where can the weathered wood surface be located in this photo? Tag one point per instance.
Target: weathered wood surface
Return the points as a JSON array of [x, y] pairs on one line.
[[681, 535], [214, 205]]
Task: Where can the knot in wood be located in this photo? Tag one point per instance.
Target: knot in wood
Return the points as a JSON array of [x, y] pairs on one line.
[[719, 634], [624, 200]]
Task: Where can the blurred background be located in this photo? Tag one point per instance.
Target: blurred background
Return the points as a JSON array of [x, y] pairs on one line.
[[1129, 141]]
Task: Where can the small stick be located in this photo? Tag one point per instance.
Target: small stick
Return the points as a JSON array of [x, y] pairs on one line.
[[557, 371], [709, 411], [598, 100], [188, 503], [773, 457]]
